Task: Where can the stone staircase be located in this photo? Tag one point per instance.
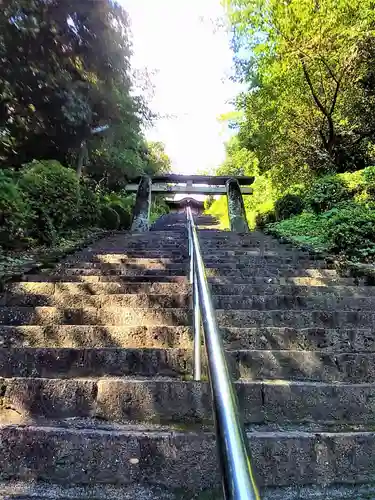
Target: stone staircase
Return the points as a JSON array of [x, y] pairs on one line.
[[96, 392]]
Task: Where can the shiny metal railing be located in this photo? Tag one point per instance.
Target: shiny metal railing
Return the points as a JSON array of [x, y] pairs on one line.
[[237, 473]]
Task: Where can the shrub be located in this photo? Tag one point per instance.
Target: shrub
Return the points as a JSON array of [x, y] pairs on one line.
[[53, 194], [326, 192], [14, 212], [351, 231], [124, 215], [264, 218], [90, 206], [369, 180], [287, 206], [109, 218]]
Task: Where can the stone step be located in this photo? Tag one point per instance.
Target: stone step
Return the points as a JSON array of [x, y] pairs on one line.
[[124, 266], [246, 265], [124, 454], [54, 278], [279, 338], [94, 260], [230, 279], [176, 401], [292, 302], [83, 289], [31, 490], [244, 273], [121, 271], [91, 362], [296, 318], [271, 272], [244, 364], [116, 315], [228, 302], [64, 299], [24, 490], [303, 339], [29, 292], [290, 289], [96, 336]]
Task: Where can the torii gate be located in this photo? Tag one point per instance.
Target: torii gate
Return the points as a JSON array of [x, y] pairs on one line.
[[190, 184]]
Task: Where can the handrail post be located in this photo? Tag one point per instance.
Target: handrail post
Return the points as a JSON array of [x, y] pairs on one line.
[[237, 473]]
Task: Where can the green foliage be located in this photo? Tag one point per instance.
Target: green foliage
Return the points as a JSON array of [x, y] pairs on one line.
[[158, 208], [124, 216], [307, 229], [326, 192], [288, 205], [109, 218], [369, 181], [14, 212], [89, 212], [262, 219], [309, 73], [351, 231], [52, 192]]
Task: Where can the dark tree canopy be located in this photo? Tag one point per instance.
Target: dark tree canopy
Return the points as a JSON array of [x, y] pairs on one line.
[[65, 70]]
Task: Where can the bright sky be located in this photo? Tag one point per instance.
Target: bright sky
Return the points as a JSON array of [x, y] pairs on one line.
[[192, 59]]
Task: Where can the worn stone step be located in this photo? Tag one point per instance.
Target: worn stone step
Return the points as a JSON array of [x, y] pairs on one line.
[[272, 272], [229, 279], [83, 289], [31, 490], [95, 336], [271, 289], [23, 490], [303, 339], [295, 302], [256, 302], [125, 266], [244, 364], [141, 278], [94, 260], [90, 362], [234, 274], [213, 261], [120, 271], [296, 318], [175, 401], [279, 338], [64, 299], [126, 316], [303, 365], [122, 455]]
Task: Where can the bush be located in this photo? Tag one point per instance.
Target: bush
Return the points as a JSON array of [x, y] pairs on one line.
[[53, 194], [369, 180], [124, 215], [109, 218], [264, 218], [14, 213], [351, 231], [326, 192], [90, 206], [287, 206]]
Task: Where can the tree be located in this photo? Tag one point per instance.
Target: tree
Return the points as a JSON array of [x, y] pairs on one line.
[[307, 65], [65, 69], [157, 159]]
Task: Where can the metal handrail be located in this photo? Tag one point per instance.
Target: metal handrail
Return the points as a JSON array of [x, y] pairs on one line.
[[237, 474]]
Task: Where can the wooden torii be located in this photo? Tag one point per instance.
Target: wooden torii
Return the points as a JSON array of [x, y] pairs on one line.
[[190, 184]]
